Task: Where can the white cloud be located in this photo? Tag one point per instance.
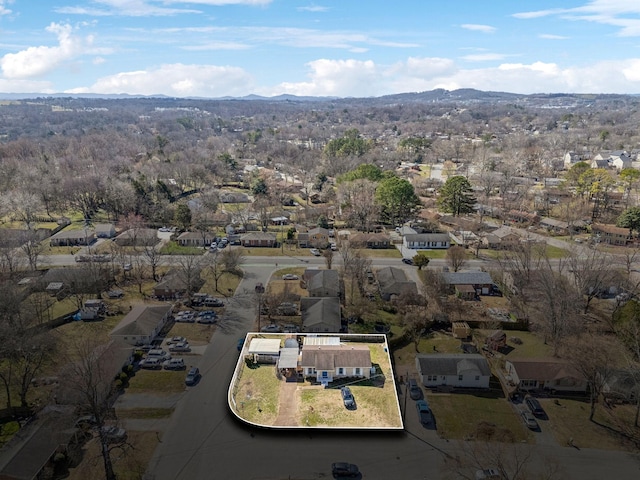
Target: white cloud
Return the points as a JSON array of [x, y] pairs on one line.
[[334, 78], [607, 12], [176, 80], [148, 8], [549, 36], [216, 46], [3, 9], [25, 86], [35, 61], [478, 28], [484, 57], [313, 8]]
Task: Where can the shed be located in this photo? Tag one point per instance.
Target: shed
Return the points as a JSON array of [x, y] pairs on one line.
[[460, 330], [265, 350]]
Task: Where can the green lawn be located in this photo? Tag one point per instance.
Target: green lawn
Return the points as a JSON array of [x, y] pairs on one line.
[[258, 394], [532, 346], [382, 252], [433, 253], [462, 416]]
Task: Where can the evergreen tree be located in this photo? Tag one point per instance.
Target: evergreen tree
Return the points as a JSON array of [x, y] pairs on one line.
[[456, 196]]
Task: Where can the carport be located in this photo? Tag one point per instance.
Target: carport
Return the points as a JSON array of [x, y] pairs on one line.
[[288, 363], [265, 350]]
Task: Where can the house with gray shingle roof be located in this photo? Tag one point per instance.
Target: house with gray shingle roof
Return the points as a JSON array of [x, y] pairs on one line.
[[426, 240], [393, 282], [142, 324], [461, 370], [481, 282], [329, 362], [322, 283], [320, 314]]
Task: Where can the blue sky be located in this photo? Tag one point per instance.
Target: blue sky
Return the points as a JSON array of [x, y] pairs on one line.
[[215, 48]]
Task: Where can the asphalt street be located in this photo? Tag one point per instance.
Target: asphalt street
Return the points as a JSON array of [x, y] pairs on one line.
[[204, 440]]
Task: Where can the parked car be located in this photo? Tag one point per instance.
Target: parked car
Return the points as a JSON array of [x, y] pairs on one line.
[[153, 363], [193, 376], [240, 344], [343, 469], [180, 347], [114, 434], [334, 247], [173, 340], [535, 407], [158, 353], [415, 392], [488, 474], [174, 364], [115, 293], [529, 420], [185, 316], [272, 328], [207, 313], [207, 319], [315, 252], [213, 302], [347, 398], [290, 276], [408, 261], [424, 412]]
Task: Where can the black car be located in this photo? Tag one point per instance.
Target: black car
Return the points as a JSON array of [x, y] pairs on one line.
[[343, 469], [408, 261], [415, 392], [534, 406], [347, 398], [192, 377]]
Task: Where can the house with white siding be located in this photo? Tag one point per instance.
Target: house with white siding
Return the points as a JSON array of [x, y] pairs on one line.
[[459, 370]]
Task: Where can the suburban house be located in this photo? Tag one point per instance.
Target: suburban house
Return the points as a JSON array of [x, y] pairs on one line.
[[393, 282], [620, 160], [322, 283], [330, 362], [571, 158], [458, 370], [72, 238], [503, 237], [480, 282], [555, 226], [174, 285], [320, 314], [142, 324], [196, 239], [426, 240], [371, 240], [600, 163], [405, 230], [105, 230], [137, 237], [610, 234], [258, 239], [552, 374], [316, 237]]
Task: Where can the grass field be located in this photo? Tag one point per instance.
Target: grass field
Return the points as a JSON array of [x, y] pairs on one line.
[[258, 394], [460, 416], [158, 382]]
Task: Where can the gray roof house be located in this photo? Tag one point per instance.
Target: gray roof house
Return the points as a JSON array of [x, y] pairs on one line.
[[481, 282], [320, 314], [426, 240], [69, 238], [142, 324], [393, 281], [329, 362], [105, 230], [323, 283], [458, 370], [137, 237]]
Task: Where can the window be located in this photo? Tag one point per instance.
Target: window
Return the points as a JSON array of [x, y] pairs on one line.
[[324, 374], [432, 378], [340, 371], [357, 371], [528, 383], [460, 377], [477, 378]]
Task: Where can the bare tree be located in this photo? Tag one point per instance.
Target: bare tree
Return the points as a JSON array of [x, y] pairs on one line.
[[456, 257], [89, 383], [594, 357], [328, 258], [592, 273], [358, 202], [154, 259]]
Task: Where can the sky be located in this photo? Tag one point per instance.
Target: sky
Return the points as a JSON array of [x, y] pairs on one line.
[[338, 48]]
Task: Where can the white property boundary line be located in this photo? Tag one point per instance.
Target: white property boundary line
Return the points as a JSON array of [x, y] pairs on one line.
[[344, 337]]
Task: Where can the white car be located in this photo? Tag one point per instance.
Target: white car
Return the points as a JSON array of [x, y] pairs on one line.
[[174, 364], [180, 347], [315, 252], [289, 276], [173, 340]]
